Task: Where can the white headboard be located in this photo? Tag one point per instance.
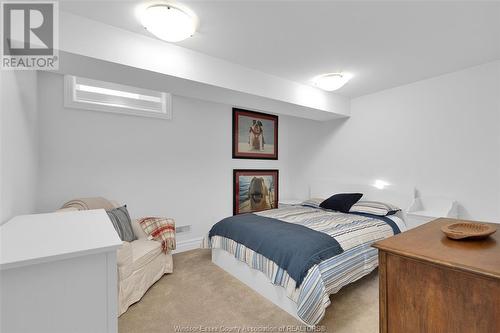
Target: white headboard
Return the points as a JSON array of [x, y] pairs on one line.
[[399, 196]]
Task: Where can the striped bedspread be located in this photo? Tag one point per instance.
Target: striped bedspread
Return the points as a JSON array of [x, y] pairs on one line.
[[355, 233]]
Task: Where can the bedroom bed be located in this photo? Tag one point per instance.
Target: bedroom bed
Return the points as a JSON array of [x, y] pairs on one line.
[[318, 250]]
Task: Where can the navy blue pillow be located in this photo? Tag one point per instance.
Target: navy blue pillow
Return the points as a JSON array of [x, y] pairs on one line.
[[341, 202]]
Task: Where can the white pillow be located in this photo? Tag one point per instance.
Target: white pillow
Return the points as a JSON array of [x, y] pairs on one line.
[[313, 202], [374, 208]]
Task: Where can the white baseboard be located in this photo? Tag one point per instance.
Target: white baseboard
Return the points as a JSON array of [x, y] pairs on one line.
[[188, 244]]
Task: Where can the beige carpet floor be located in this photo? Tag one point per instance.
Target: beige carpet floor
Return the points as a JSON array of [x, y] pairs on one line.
[[201, 297]]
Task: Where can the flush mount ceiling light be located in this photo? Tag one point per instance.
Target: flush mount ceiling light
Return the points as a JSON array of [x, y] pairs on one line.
[[331, 81], [169, 22]]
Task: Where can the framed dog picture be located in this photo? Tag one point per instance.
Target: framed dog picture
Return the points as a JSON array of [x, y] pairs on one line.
[[254, 190], [255, 135]]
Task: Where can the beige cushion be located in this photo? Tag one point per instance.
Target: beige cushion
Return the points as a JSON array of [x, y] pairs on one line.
[[67, 209], [115, 203], [138, 231], [144, 251], [124, 258]]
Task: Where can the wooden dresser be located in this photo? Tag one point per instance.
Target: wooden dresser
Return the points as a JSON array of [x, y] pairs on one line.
[[429, 283]]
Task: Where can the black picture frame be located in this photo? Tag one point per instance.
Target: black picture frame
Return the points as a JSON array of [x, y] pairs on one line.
[[253, 151], [267, 200]]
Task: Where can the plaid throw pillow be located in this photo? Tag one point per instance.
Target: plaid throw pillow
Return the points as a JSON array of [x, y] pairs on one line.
[[161, 229]]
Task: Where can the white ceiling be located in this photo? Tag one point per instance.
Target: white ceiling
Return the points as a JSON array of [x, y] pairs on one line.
[[384, 44]]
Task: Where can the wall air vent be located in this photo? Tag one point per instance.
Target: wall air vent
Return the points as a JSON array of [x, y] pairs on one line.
[[94, 95], [182, 228]]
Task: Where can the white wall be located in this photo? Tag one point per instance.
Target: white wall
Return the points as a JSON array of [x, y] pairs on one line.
[[180, 168], [19, 153], [441, 135]]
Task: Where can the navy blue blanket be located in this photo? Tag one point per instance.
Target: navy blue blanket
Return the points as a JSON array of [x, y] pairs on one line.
[[293, 247], [391, 223]]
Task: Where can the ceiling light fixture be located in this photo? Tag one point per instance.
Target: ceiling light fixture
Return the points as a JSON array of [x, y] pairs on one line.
[[169, 22], [331, 81]]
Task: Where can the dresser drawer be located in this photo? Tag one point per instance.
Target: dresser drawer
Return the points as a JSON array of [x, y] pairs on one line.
[[423, 297], [432, 284]]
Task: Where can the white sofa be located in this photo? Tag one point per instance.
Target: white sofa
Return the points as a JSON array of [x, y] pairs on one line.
[[140, 264]]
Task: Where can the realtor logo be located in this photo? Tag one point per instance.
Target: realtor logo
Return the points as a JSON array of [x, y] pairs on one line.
[[29, 35]]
